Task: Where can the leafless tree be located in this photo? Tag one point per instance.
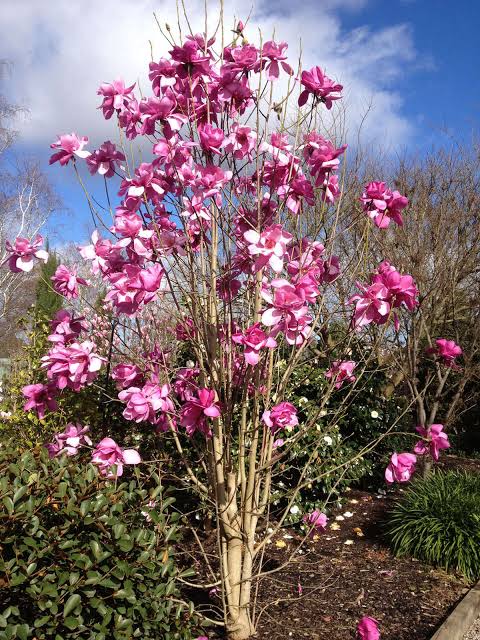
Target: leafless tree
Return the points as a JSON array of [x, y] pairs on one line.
[[27, 200]]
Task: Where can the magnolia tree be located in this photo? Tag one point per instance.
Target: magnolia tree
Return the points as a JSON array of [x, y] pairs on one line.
[[212, 229]]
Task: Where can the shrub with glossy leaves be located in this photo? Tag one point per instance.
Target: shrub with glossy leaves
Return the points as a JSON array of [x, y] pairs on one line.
[[84, 557], [437, 521]]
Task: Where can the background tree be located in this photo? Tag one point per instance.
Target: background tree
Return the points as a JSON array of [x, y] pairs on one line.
[[47, 300], [27, 200]]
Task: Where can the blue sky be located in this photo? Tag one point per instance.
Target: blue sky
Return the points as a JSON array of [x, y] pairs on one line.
[[444, 90], [416, 61]]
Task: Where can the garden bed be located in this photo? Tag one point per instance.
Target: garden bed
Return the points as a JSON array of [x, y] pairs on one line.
[[348, 572]]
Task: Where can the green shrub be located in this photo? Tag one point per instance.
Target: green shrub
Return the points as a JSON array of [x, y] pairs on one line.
[[437, 520], [79, 559], [365, 418]]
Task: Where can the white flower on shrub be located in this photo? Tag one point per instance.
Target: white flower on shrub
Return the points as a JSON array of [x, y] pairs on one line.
[[328, 440], [374, 414], [295, 509]]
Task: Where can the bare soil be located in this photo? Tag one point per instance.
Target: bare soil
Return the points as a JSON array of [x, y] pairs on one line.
[[348, 572]]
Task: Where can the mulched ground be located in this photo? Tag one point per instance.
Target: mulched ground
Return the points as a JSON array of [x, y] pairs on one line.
[[348, 572]]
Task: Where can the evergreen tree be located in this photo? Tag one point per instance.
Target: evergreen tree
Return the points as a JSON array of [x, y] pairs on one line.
[[47, 301]]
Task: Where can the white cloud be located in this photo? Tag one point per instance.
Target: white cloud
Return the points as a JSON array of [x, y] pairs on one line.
[[62, 50]]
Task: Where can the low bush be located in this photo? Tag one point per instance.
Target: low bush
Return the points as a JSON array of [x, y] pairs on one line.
[[82, 557], [437, 520]]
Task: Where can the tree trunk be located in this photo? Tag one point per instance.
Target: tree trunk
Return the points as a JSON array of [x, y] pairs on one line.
[[241, 628], [239, 577]]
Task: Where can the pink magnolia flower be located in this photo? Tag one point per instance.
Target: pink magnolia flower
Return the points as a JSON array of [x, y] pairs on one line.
[[272, 54], [241, 59], [147, 183], [281, 416], [382, 205], [162, 74], [74, 365], [401, 467], [228, 287], [241, 142], [254, 340], [185, 383], [66, 327], [211, 138], [322, 156], [196, 410], [40, 397], [296, 191], [341, 371], [116, 96], [320, 85], [127, 375], [110, 458], [103, 159], [388, 290], [69, 441], [285, 300], [446, 350], [185, 330], [270, 246], [401, 288], [142, 404], [69, 145], [372, 306], [435, 440], [316, 520], [101, 252], [66, 282], [367, 629], [22, 253], [134, 287], [331, 189]]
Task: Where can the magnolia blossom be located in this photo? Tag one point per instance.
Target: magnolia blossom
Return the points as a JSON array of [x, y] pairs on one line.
[[446, 350], [401, 467], [22, 253], [143, 403], [196, 410], [341, 371], [65, 282], [367, 629], [272, 54], [101, 252], [116, 96], [254, 339], [211, 138], [110, 458], [241, 142], [69, 441], [281, 416], [40, 397], [269, 246], [74, 365], [69, 145], [388, 290], [66, 327], [382, 205], [316, 520], [134, 287], [320, 85], [104, 159], [126, 375], [435, 440]]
